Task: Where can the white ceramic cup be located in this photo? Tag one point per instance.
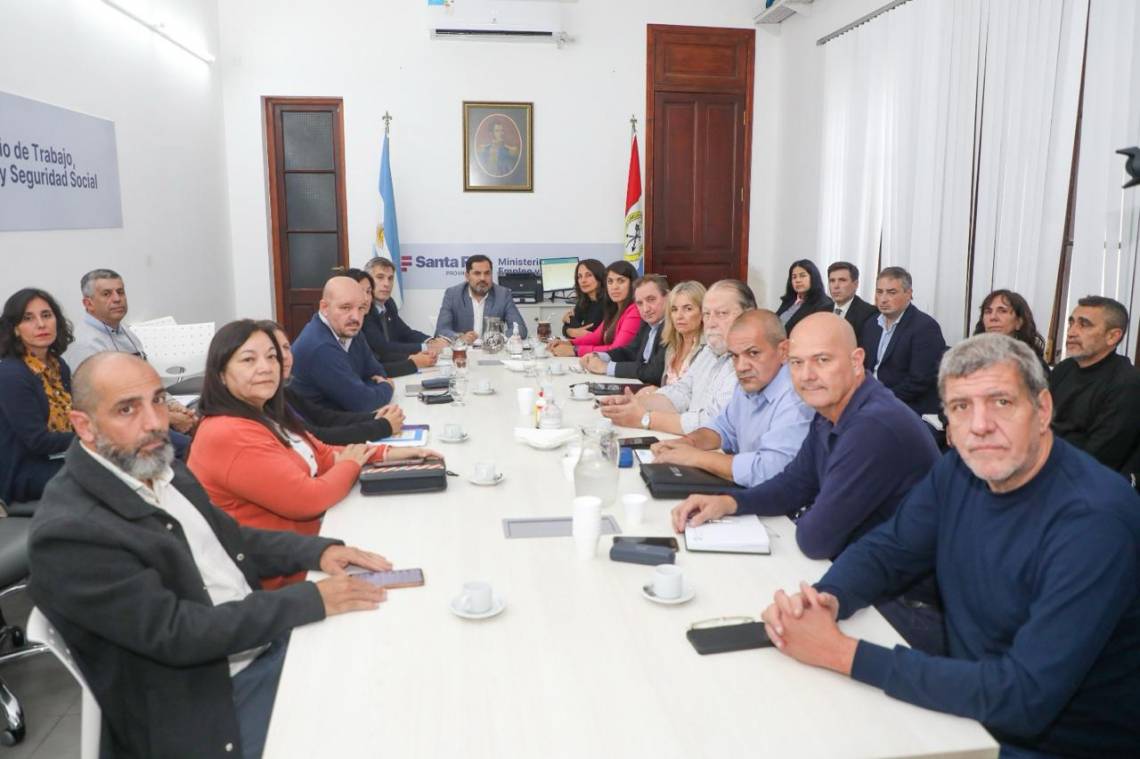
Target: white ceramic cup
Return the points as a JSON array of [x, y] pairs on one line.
[[485, 471], [586, 525], [453, 431], [581, 391], [484, 386], [667, 581], [476, 597], [558, 368], [526, 400], [634, 504]]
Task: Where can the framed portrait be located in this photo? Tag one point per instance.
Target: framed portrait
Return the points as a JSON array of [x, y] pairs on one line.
[[498, 147]]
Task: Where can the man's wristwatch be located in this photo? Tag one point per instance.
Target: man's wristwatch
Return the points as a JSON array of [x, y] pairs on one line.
[[645, 421]]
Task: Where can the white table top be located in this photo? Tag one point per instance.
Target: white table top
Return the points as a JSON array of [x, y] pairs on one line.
[[579, 664]]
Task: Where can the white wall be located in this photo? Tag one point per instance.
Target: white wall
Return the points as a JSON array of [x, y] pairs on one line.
[[173, 246], [378, 56], [787, 141]]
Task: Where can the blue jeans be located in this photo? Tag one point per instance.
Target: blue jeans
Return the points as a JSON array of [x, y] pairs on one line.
[[255, 689], [919, 625]]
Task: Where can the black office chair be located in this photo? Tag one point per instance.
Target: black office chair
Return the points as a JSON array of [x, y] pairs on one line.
[[13, 644]]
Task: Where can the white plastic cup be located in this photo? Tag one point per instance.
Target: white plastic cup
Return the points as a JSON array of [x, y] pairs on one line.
[[667, 581], [586, 525], [476, 597], [634, 504], [526, 400]]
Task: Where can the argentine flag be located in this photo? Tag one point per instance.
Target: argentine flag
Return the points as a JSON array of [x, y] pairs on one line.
[[387, 242]]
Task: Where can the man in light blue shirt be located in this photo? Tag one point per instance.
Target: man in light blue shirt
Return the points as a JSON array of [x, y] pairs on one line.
[[765, 422]]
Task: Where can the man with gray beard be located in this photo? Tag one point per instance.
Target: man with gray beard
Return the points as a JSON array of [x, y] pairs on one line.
[[706, 388], [157, 592]]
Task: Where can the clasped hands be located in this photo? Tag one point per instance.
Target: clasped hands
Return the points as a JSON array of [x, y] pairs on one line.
[[803, 626]]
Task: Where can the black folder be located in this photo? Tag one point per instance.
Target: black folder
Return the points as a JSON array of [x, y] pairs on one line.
[[676, 481], [421, 477]]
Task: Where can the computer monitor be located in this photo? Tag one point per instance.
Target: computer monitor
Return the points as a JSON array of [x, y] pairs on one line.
[[558, 273]]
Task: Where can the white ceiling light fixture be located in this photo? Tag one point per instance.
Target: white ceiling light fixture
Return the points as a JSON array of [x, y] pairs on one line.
[[159, 28]]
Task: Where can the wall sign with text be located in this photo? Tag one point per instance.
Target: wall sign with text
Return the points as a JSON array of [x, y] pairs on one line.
[[59, 169]]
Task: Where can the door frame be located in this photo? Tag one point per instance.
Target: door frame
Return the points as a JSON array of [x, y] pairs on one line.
[[652, 32], [275, 184]]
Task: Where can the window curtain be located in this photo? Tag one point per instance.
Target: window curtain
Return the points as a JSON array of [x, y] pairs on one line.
[[966, 131], [1106, 219]]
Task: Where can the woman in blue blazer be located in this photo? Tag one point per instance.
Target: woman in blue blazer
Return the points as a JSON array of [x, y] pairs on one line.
[[35, 394]]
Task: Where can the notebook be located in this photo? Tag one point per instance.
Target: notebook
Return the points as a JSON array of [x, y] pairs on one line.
[[410, 436], [676, 481], [737, 534]]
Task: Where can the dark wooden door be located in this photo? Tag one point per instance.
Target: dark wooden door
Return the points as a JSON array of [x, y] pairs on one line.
[[698, 152], [305, 151]]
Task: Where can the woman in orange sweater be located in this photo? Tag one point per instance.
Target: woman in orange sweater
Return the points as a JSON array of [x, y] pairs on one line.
[[254, 458]]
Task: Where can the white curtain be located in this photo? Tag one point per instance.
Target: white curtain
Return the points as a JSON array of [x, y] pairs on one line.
[[1027, 128], [965, 104], [1106, 224]]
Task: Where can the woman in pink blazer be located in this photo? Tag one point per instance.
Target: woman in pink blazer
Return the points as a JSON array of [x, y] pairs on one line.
[[620, 320]]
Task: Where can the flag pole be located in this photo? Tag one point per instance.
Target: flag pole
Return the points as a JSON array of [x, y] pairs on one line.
[[387, 121], [633, 124]]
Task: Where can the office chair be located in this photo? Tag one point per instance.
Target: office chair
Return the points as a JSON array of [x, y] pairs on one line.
[[13, 574], [91, 717]]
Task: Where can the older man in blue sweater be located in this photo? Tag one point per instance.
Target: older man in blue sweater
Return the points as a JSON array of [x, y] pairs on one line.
[[332, 365], [1035, 546]]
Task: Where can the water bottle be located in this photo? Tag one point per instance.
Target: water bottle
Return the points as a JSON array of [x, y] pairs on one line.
[[597, 470], [515, 343]]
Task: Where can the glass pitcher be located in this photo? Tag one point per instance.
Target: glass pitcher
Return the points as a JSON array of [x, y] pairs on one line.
[[494, 334], [597, 470]]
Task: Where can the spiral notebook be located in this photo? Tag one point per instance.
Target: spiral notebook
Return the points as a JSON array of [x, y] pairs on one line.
[[737, 534]]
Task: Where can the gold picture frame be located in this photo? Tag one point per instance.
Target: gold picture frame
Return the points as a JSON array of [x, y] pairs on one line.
[[498, 147]]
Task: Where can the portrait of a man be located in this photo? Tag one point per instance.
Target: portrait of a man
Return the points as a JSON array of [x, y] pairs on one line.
[[497, 146]]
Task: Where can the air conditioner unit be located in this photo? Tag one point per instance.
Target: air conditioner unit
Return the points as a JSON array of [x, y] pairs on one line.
[[499, 20]]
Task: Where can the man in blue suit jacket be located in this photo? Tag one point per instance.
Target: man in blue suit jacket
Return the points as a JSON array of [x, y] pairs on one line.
[[384, 327], [466, 305], [332, 364], [903, 345]]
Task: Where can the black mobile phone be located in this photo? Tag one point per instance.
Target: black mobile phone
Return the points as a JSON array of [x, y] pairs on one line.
[[645, 441], [666, 542], [725, 638]]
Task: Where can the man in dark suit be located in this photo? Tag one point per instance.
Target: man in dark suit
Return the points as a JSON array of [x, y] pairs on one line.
[[465, 305], [903, 345], [401, 349], [843, 283], [157, 592], [644, 358]]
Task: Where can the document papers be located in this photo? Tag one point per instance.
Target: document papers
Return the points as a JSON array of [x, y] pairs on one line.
[[742, 534], [411, 436]]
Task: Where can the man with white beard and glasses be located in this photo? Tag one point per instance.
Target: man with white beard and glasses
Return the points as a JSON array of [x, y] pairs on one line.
[[157, 592], [706, 388], [1035, 546]]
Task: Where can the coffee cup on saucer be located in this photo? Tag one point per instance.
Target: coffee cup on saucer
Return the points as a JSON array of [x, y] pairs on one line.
[[476, 598], [580, 391], [452, 431], [485, 471], [558, 368], [668, 581]]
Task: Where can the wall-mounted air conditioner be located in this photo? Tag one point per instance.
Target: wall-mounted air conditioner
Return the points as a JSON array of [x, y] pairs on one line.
[[499, 20]]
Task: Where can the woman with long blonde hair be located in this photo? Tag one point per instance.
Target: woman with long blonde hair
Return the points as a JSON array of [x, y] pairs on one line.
[[683, 335]]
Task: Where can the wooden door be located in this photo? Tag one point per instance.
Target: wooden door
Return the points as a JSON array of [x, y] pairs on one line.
[[305, 152], [698, 152]]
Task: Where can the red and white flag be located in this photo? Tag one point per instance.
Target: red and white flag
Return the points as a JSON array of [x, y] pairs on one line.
[[634, 238]]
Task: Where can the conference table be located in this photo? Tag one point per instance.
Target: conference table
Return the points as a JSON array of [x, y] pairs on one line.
[[579, 664]]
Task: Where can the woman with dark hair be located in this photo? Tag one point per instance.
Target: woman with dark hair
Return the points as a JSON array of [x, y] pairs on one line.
[[328, 425], [588, 311], [253, 456], [804, 294], [620, 319], [395, 364], [35, 394], [1008, 313]]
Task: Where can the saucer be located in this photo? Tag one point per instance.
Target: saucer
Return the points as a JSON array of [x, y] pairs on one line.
[[497, 606], [460, 439], [589, 397], [687, 594], [483, 483], [483, 392]]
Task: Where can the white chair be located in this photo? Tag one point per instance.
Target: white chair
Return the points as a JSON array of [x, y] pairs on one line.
[[91, 717]]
